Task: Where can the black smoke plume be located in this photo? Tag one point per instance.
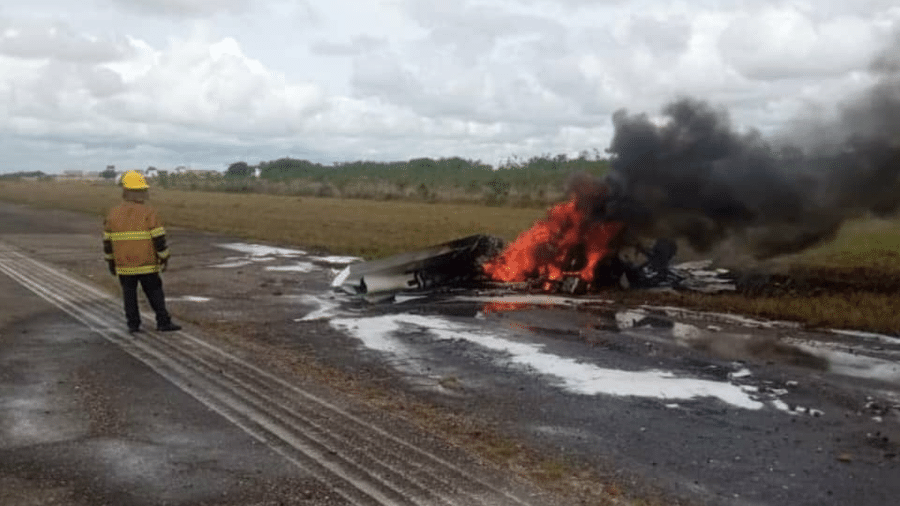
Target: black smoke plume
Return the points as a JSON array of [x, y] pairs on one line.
[[694, 177]]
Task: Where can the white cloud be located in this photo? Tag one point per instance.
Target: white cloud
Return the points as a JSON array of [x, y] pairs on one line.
[[778, 43], [180, 82], [56, 41], [184, 7], [213, 85]]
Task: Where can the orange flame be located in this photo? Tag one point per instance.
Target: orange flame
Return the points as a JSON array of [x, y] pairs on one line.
[[542, 251], [503, 307]]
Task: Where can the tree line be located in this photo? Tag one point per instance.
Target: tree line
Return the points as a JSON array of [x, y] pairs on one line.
[[533, 181]]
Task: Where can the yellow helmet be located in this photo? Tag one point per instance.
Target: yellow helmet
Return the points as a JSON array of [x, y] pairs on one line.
[[133, 180]]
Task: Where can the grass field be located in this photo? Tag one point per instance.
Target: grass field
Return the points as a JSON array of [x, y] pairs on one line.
[[851, 282], [368, 228]]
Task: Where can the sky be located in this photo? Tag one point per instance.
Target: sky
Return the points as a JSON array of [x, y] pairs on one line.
[[205, 83]]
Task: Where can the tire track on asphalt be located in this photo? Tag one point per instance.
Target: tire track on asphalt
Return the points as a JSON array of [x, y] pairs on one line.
[[365, 464]]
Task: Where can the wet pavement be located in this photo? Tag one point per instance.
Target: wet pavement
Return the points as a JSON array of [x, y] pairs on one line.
[[91, 414], [720, 408], [82, 422], [700, 407]]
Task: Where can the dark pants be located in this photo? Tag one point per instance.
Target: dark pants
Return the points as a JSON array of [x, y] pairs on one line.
[[152, 285]]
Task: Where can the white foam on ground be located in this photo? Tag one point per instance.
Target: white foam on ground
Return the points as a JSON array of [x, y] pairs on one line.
[[336, 260], [297, 267], [795, 410], [381, 333], [629, 318], [259, 250], [686, 331], [742, 373], [377, 333], [233, 264], [326, 308]]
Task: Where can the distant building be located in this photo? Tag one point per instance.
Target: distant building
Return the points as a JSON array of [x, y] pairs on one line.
[[78, 175], [181, 169]]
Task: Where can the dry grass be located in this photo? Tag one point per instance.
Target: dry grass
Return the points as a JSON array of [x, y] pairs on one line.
[[871, 244], [359, 227], [874, 312]]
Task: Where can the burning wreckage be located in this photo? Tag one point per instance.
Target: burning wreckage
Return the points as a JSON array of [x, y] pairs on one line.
[[689, 177], [583, 245]]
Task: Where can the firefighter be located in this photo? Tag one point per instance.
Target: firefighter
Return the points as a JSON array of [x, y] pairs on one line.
[[134, 242]]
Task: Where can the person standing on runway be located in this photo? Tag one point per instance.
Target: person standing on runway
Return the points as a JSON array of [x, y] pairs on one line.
[[134, 242]]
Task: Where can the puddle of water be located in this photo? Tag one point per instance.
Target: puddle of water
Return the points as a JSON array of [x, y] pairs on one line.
[[233, 264], [190, 298], [401, 298], [857, 366], [677, 312], [533, 299], [868, 335], [259, 250], [382, 333]]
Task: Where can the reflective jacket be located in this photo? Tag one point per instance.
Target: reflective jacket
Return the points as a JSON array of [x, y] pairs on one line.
[[134, 238]]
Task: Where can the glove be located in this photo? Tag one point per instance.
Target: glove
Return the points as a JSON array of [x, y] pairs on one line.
[[112, 267], [163, 265]]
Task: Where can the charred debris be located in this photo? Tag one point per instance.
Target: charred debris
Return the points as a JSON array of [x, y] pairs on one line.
[[460, 264]]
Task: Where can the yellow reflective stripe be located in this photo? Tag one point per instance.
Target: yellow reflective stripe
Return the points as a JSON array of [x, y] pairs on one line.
[[130, 236], [158, 231], [131, 271], [107, 236], [164, 254]]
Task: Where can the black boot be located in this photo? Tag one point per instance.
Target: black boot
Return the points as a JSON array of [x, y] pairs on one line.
[[168, 327]]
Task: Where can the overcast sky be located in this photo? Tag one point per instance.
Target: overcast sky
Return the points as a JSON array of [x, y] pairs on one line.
[[205, 83]]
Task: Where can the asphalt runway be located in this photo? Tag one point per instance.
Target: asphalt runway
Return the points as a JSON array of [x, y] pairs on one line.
[[686, 407], [100, 416]]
